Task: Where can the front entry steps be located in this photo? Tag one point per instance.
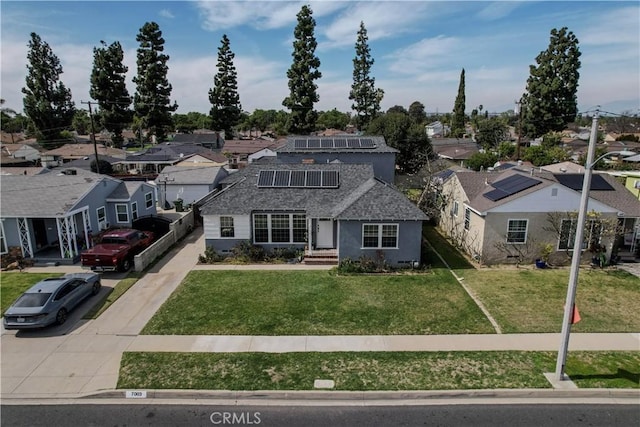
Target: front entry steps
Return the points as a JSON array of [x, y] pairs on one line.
[[321, 257]]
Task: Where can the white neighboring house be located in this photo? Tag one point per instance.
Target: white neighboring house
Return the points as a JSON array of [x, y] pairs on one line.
[[265, 152], [187, 183], [436, 129]]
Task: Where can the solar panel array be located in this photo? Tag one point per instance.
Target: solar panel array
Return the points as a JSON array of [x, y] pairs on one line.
[[510, 186], [298, 179], [333, 143], [575, 180]]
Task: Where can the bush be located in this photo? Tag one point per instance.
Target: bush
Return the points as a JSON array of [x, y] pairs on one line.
[[247, 252], [364, 265], [210, 256], [285, 254]]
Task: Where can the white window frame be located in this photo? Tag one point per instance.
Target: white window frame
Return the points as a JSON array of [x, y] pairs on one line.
[[379, 231], [455, 208], [3, 241], [586, 238], [118, 213], [467, 218], [134, 211], [228, 226], [148, 200], [513, 241], [103, 217], [269, 228]]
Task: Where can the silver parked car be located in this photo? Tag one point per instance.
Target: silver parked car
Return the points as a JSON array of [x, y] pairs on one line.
[[50, 300]]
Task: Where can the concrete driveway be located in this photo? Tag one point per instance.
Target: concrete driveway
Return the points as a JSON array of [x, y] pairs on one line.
[[83, 356]]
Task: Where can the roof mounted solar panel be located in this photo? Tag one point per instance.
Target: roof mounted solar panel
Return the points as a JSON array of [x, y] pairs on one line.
[[326, 143], [282, 179], [313, 143], [367, 143], [265, 178], [297, 178], [330, 179], [300, 143], [510, 186], [575, 181], [314, 179], [353, 143], [340, 143]]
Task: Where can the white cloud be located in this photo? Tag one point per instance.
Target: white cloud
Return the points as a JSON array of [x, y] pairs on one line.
[[497, 10], [166, 13], [426, 54]]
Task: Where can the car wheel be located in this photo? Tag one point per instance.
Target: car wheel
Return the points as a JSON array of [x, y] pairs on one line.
[[96, 288], [126, 265], [61, 317]]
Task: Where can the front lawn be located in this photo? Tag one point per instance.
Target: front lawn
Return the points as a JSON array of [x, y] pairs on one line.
[[13, 284], [529, 300], [317, 303], [374, 370]]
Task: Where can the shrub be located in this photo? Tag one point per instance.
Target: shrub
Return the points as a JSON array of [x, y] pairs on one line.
[[210, 256], [245, 251]]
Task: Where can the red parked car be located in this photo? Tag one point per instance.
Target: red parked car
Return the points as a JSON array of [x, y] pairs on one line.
[[116, 250]]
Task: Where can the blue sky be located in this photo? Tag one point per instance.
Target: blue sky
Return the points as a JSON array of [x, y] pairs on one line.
[[419, 48]]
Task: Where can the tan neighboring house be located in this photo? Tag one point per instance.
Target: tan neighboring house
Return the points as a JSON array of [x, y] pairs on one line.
[[239, 150], [70, 152], [204, 159], [508, 217]]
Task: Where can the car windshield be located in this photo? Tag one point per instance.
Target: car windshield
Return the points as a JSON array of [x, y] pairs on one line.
[[32, 300], [115, 240]]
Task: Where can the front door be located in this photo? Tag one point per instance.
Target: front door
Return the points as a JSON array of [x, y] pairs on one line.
[[39, 233], [324, 234]]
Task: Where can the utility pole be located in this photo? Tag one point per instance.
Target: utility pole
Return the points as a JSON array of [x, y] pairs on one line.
[[577, 253], [93, 135], [519, 112]]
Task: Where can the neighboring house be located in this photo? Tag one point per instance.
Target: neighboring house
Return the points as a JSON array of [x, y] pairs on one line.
[[507, 217], [204, 158], [239, 150], [338, 207], [437, 130], [53, 215], [265, 152], [210, 140], [350, 149], [70, 152], [563, 167], [21, 151], [154, 159], [188, 183], [85, 163]]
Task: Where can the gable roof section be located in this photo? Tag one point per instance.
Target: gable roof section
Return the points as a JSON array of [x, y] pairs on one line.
[[335, 144], [45, 195], [180, 175]]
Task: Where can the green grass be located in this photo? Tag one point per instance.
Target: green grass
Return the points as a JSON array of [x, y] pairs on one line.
[[451, 255], [317, 303], [110, 297], [13, 284], [533, 300], [374, 370]]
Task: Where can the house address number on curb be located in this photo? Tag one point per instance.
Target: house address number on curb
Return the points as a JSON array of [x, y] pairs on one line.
[[136, 394]]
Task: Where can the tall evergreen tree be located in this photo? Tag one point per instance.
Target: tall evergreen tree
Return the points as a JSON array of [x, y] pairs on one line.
[[109, 88], [457, 122], [551, 101], [47, 101], [363, 92], [226, 109], [304, 70], [151, 101]]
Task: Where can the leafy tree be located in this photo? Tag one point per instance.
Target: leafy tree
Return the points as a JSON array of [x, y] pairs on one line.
[[105, 167], [481, 160], [109, 88], [47, 101], [302, 74], [538, 155], [506, 150], [81, 122], [491, 133], [457, 124], [409, 138], [551, 101], [366, 98], [226, 109], [417, 113], [151, 101], [333, 119], [187, 123], [399, 109]]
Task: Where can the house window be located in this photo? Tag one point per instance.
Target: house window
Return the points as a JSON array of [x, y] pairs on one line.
[[134, 210], [279, 228], [102, 214], [380, 235], [467, 218], [454, 209], [148, 200], [554, 192], [226, 227], [592, 233], [517, 231], [122, 213], [3, 242]]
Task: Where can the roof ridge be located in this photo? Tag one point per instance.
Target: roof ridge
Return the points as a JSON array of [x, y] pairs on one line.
[[355, 195]]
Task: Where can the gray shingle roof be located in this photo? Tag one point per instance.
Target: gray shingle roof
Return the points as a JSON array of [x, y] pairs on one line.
[[359, 195], [191, 175], [45, 195]]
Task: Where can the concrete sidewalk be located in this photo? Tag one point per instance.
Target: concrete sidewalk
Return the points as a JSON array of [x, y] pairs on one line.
[[83, 358]]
